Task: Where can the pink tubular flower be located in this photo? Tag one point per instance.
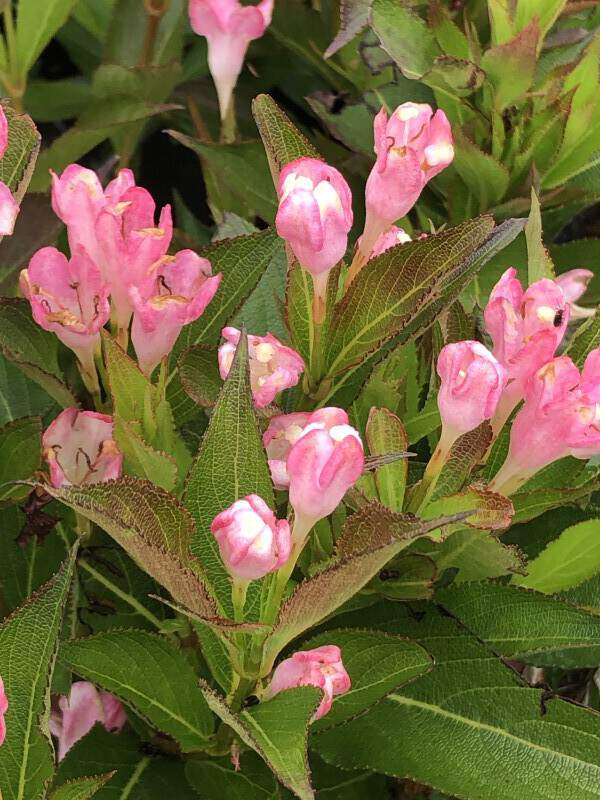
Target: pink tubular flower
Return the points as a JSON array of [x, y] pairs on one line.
[[79, 449], [526, 328], [574, 283], [3, 133], [3, 710], [284, 431], [322, 465], [412, 146], [229, 28], [68, 298], [273, 366], [394, 236], [115, 225], [8, 206], [251, 540], [321, 667], [560, 417], [175, 292], [76, 715]]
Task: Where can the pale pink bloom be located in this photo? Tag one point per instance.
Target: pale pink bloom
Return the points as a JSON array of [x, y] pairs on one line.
[[79, 449], [273, 366], [322, 465], [412, 146], [3, 710], [526, 328], [116, 226], [560, 417], [68, 298], [3, 133], [9, 210], [472, 381], [175, 292], [315, 214], [321, 667], [76, 715], [252, 541], [574, 283], [284, 431], [229, 28], [394, 236]]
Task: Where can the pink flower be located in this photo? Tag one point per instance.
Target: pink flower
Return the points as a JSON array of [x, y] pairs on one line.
[[472, 381], [394, 236], [229, 28], [68, 298], [273, 366], [77, 714], [3, 133], [251, 540], [322, 465], [526, 328], [412, 146], [560, 417], [314, 215], [9, 210], [284, 431], [115, 225], [79, 449], [3, 710], [574, 283], [321, 667], [175, 292]]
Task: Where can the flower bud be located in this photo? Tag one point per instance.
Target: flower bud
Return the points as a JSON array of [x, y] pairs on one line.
[[472, 381], [322, 465], [394, 236], [3, 710], [321, 667], [176, 292], [284, 431], [315, 213], [251, 540], [68, 298], [273, 366], [574, 284], [229, 28], [79, 449], [73, 717]]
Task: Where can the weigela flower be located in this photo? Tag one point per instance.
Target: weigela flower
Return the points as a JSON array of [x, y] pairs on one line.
[[175, 292], [560, 417], [79, 449], [389, 239], [3, 710], [574, 284], [74, 716], [8, 206], [321, 667], [251, 540], [68, 298], [273, 366], [229, 28]]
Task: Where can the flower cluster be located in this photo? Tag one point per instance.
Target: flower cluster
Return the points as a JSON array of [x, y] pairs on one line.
[[8, 205]]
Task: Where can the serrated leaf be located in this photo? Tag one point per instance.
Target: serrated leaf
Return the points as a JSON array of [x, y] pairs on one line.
[[20, 455], [466, 453], [28, 643], [147, 672], [385, 434], [586, 339], [485, 177], [531, 502], [199, 374], [491, 511], [354, 18], [468, 727], [17, 164], [510, 67], [409, 577], [278, 731], [231, 464], [81, 789], [218, 778], [152, 527], [532, 626], [567, 561], [539, 263], [415, 49]]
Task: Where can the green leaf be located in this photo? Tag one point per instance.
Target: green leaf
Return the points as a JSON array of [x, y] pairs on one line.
[[377, 664], [567, 561], [28, 643], [147, 672], [385, 434], [32, 349], [354, 18], [217, 779], [153, 528], [486, 178], [404, 36], [231, 464], [510, 67], [539, 263], [468, 728], [546, 11], [586, 339], [490, 510], [127, 30], [20, 455], [467, 452], [199, 374], [277, 730], [81, 789], [36, 26], [16, 166], [532, 627]]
